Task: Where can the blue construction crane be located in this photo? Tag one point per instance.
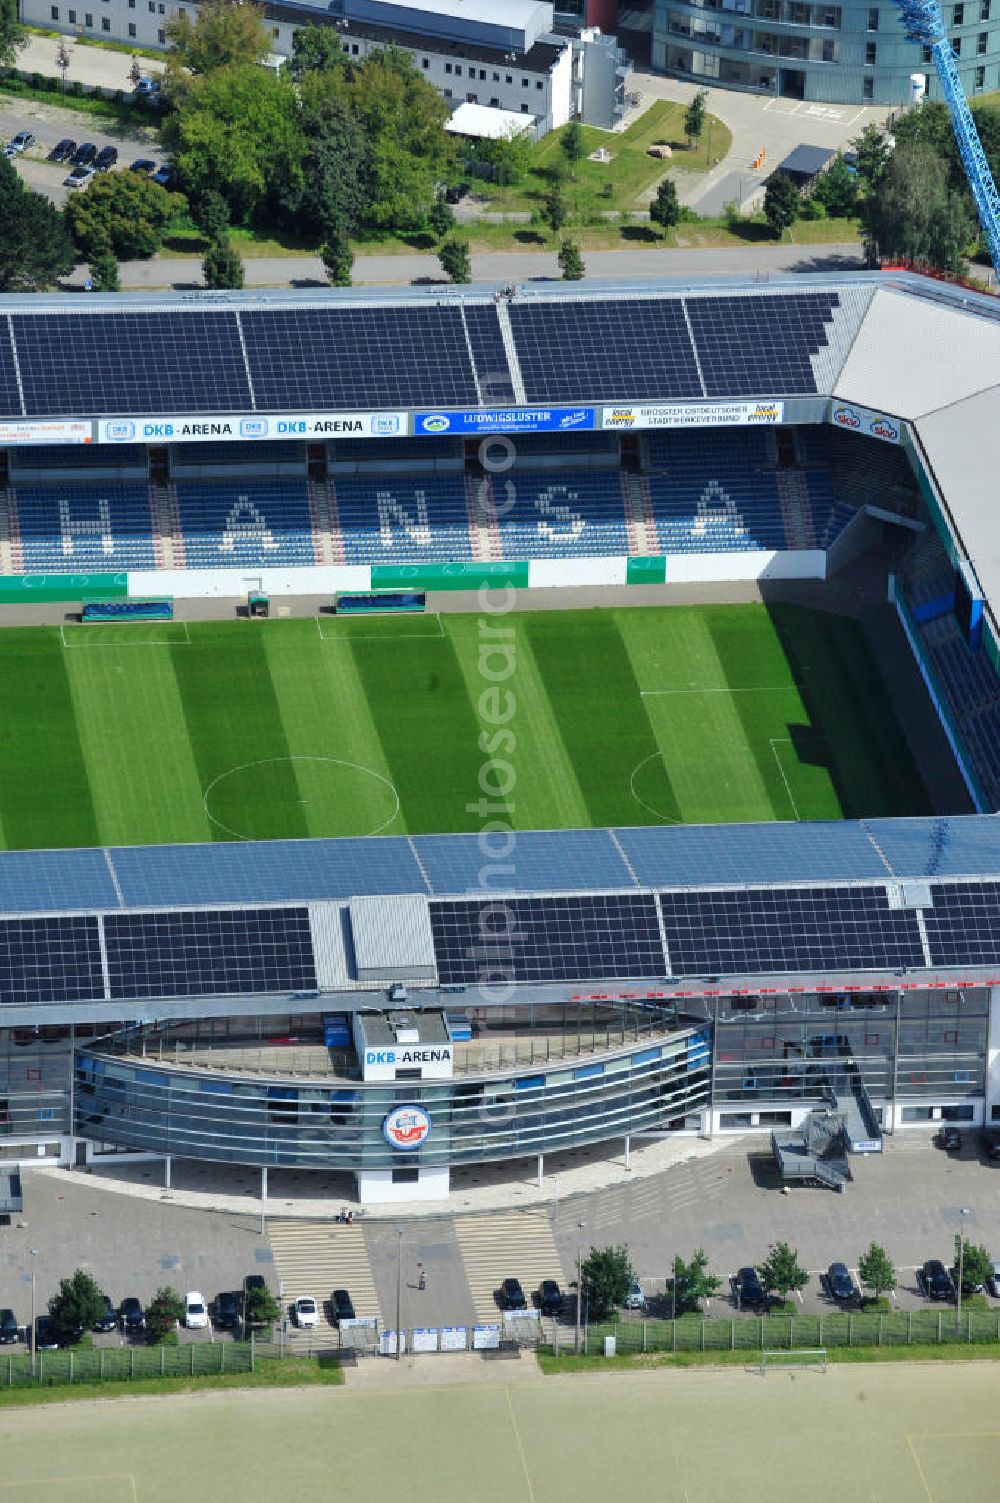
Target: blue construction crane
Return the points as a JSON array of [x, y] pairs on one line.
[[924, 23]]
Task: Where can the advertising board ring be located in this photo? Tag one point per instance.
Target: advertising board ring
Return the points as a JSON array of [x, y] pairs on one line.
[[406, 1128]]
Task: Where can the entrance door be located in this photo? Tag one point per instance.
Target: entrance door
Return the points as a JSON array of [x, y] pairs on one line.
[[792, 83]]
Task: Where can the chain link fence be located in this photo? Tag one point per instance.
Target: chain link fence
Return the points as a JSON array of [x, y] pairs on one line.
[[773, 1332]]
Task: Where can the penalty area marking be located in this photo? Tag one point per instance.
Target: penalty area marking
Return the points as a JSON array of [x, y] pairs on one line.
[[271, 761], [128, 628], [784, 741], [751, 689], [74, 1482], [374, 636], [667, 819]]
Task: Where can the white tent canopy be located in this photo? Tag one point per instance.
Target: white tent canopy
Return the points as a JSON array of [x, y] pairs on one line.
[[485, 122]]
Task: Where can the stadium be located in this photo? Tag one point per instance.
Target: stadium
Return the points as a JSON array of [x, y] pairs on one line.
[[602, 741]]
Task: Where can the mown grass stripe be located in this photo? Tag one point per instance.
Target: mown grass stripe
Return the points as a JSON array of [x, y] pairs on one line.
[[45, 795]]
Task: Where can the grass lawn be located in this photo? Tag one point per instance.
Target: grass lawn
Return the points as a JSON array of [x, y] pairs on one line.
[[99, 108], [144, 733]]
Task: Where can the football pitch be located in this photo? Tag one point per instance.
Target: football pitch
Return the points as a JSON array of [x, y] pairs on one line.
[[856, 1434], [161, 732]]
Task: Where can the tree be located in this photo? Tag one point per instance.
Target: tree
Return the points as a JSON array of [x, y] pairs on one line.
[[338, 259], [571, 262], [210, 213], [694, 118], [781, 1272], [510, 155], [104, 271], [261, 1307], [692, 1282], [571, 145], [316, 49], [62, 60], [77, 1307], [977, 1266], [456, 261], [914, 214], [222, 267], [555, 211], [605, 1280], [35, 246], [332, 190], [871, 153], [837, 189], [876, 1271], [12, 35], [781, 203], [665, 209], [224, 32], [441, 217], [124, 213], [164, 1313]]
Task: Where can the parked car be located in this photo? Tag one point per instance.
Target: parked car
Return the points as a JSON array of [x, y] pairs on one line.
[[228, 1310], [748, 1289], [62, 150], [10, 1331], [164, 175], [107, 1320], [950, 1139], [195, 1311], [512, 1295], [144, 165], [840, 1284], [20, 143], [456, 194], [85, 155], [635, 1299], [305, 1313], [550, 1298], [993, 1282], [46, 1334], [79, 177], [341, 1306], [147, 87], [106, 158], [936, 1280], [132, 1316], [991, 1145]]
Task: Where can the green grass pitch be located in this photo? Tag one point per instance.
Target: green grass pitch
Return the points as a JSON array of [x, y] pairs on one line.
[[145, 733]]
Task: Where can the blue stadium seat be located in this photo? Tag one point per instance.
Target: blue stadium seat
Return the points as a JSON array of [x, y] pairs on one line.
[[69, 529], [390, 520], [582, 515], [233, 524]]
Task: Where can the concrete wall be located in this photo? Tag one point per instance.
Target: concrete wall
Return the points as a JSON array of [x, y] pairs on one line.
[[197, 584], [702, 568], [375, 1187]]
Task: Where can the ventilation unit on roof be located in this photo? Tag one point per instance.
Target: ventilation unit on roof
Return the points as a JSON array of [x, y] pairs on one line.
[[404, 1028]]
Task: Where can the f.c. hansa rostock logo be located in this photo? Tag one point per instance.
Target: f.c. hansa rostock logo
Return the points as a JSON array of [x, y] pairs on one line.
[[406, 1128]]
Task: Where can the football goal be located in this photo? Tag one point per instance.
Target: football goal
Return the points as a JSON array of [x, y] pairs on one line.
[[792, 1357]]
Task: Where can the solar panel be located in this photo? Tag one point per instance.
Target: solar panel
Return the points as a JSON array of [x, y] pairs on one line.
[[50, 960], [210, 953], [761, 930], [356, 358], [273, 871], [759, 343], [489, 355], [547, 939], [47, 881], [10, 397], [714, 855], [615, 351], [111, 363], [967, 846], [537, 861], [963, 927]]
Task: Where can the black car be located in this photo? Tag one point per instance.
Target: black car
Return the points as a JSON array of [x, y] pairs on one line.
[[46, 1334], [10, 1331], [456, 194], [164, 175], [748, 1289], [950, 1139], [840, 1284], [62, 150], [85, 155], [550, 1299], [133, 1319], [341, 1306], [107, 1320], [228, 1310], [936, 1280], [991, 1145], [106, 158], [512, 1295], [144, 165]]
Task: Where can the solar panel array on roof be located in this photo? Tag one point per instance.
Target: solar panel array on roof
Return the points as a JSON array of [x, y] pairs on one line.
[[963, 927], [10, 397], [774, 930], [700, 856], [97, 363], [308, 359], [50, 960], [205, 954], [748, 346], [548, 939], [55, 881], [962, 846], [578, 351], [537, 861], [486, 341]]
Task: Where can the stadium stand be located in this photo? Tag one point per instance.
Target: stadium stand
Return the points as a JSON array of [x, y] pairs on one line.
[[69, 528], [552, 518], [263, 522], [402, 520]]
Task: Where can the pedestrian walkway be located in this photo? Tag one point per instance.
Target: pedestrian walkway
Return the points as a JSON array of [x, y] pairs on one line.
[[315, 1258], [519, 1246]]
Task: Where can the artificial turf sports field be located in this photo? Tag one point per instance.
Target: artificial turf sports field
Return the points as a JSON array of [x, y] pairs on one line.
[[855, 1434], [161, 732]]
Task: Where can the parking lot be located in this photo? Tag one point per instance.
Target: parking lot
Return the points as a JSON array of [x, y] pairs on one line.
[[49, 123]]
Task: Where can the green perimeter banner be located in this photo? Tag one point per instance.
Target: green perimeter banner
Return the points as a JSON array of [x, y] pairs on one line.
[[470, 576], [646, 570], [25, 588]]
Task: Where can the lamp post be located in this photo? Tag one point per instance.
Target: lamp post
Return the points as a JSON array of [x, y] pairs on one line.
[[399, 1290], [34, 1253], [579, 1282], [960, 1262]]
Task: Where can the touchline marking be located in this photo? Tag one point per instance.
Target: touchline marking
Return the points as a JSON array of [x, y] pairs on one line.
[[788, 787], [920, 1471], [84, 633], [751, 689], [399, 636], [520, 1447]]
